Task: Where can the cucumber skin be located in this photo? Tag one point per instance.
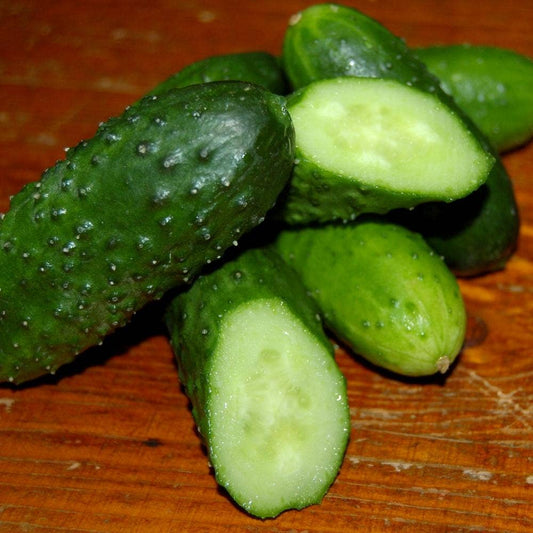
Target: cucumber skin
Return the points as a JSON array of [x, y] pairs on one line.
[[329, 40], [475, 235], [491, 85], [261, 68], [138, 209], [382, 291], [194, 317]]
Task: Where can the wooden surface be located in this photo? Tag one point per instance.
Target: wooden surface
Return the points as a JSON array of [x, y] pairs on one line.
[[109, 444]]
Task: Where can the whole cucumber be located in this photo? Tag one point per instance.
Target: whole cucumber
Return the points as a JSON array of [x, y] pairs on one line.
[[491, 84], [141, 207], [382, 291], [476, 234]]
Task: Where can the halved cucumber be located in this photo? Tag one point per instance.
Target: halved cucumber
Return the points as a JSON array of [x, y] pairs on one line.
[[369, 145], [267, 395], [274, 416]]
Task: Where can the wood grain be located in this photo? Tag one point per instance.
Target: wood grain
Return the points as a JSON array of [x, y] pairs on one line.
[[109, 444]]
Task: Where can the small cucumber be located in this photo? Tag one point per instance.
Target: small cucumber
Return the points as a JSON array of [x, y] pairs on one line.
[[369, 145], [492, 85], [156, 194], [267, 395], [259, 67], [382, 291], [476, 234]]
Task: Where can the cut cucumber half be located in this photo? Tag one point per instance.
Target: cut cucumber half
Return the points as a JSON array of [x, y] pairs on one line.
[[372, 145], [267, 396]]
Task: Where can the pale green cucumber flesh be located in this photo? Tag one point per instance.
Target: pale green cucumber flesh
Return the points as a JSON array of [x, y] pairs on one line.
[[381, 133], [277, 413]]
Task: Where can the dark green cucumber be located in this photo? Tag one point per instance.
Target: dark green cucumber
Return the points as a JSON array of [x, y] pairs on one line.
[[475, 235], [257, 67], [492, 85], [382, 291], [267, 395], [329, 40], [370, 145], [157, 193]]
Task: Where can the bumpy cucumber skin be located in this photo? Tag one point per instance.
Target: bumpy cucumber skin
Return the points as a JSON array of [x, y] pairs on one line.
[[194, 318], [382, 291], [157, 193], [261, 68], [328, 40], [492, 85]]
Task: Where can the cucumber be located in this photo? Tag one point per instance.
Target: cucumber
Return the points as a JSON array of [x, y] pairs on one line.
[[261, 68], [358, 150], [157, 193], [492, 85], [329, 40], [267, 396], [382, 291], [476, 234]]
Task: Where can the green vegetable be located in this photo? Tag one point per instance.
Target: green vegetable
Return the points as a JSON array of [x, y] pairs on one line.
[[369, 145], [382, 291], [476, 234], [258, 67], [267, 396], [156, 194], [492, 85]]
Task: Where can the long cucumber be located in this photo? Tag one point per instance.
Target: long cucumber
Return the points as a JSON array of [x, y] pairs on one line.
[[136, 210]]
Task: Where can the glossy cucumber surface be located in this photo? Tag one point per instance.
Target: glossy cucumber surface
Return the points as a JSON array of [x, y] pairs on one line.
[[492, 85], [382, 291], [139, 208]]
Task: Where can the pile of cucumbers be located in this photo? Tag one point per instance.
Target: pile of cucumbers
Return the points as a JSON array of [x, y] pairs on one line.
[[273, 204]]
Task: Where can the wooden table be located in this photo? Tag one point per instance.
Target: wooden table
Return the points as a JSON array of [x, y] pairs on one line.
[[109, 444]]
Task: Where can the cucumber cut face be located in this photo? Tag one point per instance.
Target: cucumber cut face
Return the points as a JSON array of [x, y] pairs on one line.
[[386, 134], [278, 418]]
